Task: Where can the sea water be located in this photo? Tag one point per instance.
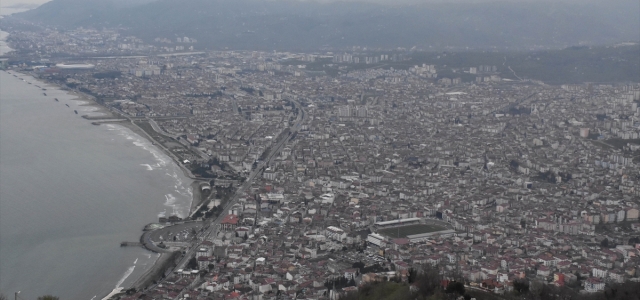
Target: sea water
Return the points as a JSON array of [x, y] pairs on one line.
[[70, 192]]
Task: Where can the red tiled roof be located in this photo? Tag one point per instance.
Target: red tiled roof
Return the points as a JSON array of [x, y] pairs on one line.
[[230, 219]]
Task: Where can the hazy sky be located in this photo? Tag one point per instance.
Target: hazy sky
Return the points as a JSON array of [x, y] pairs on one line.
[[9, 3], [6, 3]]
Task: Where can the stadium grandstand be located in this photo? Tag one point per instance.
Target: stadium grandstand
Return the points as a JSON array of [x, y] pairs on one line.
[[396, 223], [376, 239]]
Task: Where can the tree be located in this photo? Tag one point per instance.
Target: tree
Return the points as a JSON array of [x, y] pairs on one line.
[[413, 274], [351, 282], [193, 264], [48, 297], [455, 287], [514, 164], [428, 280], [520, 287], [358, 265], [604, 243]]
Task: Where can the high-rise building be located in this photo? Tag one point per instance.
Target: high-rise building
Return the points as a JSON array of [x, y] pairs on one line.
[[584, 132], [344, 111]]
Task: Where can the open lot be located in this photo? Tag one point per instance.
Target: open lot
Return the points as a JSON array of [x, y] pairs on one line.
[[402, 232], [176, 233]]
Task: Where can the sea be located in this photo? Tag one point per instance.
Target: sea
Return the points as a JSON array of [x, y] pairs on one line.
[[71, 191]]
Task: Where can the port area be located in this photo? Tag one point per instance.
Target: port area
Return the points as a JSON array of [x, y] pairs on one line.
[[171, 238], [130, 244], [168, 240]]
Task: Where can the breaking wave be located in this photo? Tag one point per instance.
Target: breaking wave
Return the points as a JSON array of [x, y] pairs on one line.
[[178, 201], [171, 200], [125, 276]]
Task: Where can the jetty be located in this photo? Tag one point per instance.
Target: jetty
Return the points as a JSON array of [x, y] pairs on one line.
[[105, 121], [130, 244], [103, 118]]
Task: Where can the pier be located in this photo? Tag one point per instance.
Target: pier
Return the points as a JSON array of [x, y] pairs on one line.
[[130, 244]]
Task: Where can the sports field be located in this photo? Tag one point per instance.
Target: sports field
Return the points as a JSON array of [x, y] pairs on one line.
[[409, 230]]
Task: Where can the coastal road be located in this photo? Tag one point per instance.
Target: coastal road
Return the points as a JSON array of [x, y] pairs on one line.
[[275, 149], [159, 130], [148, 243]]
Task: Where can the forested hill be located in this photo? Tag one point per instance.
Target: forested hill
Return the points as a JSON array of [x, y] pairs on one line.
[[603, 64], [523, 290], [300, 25]]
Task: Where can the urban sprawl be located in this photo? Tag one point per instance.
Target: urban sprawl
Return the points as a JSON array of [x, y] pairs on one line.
[[313, 184]]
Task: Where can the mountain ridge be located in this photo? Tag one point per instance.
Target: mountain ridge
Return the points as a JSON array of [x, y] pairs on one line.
[[278, 25]]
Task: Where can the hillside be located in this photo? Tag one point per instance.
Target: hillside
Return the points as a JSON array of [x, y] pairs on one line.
[[300, 25], [430, 290], [604, 64]]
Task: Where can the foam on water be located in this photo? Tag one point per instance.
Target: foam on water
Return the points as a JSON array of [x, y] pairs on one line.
[[171, 200], [179, 201], [88, 109], [125, 276], [161, 159]]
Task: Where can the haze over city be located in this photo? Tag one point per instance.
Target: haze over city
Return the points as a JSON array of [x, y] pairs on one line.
[[327, 150]]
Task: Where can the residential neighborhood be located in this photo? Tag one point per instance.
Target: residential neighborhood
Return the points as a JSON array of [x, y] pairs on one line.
[[381, 171]]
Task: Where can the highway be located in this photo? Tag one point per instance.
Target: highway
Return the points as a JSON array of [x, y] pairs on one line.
[[212, 230]]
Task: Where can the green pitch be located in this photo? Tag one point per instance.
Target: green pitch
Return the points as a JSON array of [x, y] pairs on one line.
[[409, 230]]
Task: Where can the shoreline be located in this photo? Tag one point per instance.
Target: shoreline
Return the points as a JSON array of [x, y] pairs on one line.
[[3, 42], [128, 123], [197, 195], [103, 114]]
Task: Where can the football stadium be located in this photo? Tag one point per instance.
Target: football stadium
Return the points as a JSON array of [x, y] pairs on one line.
[[410, 228]]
